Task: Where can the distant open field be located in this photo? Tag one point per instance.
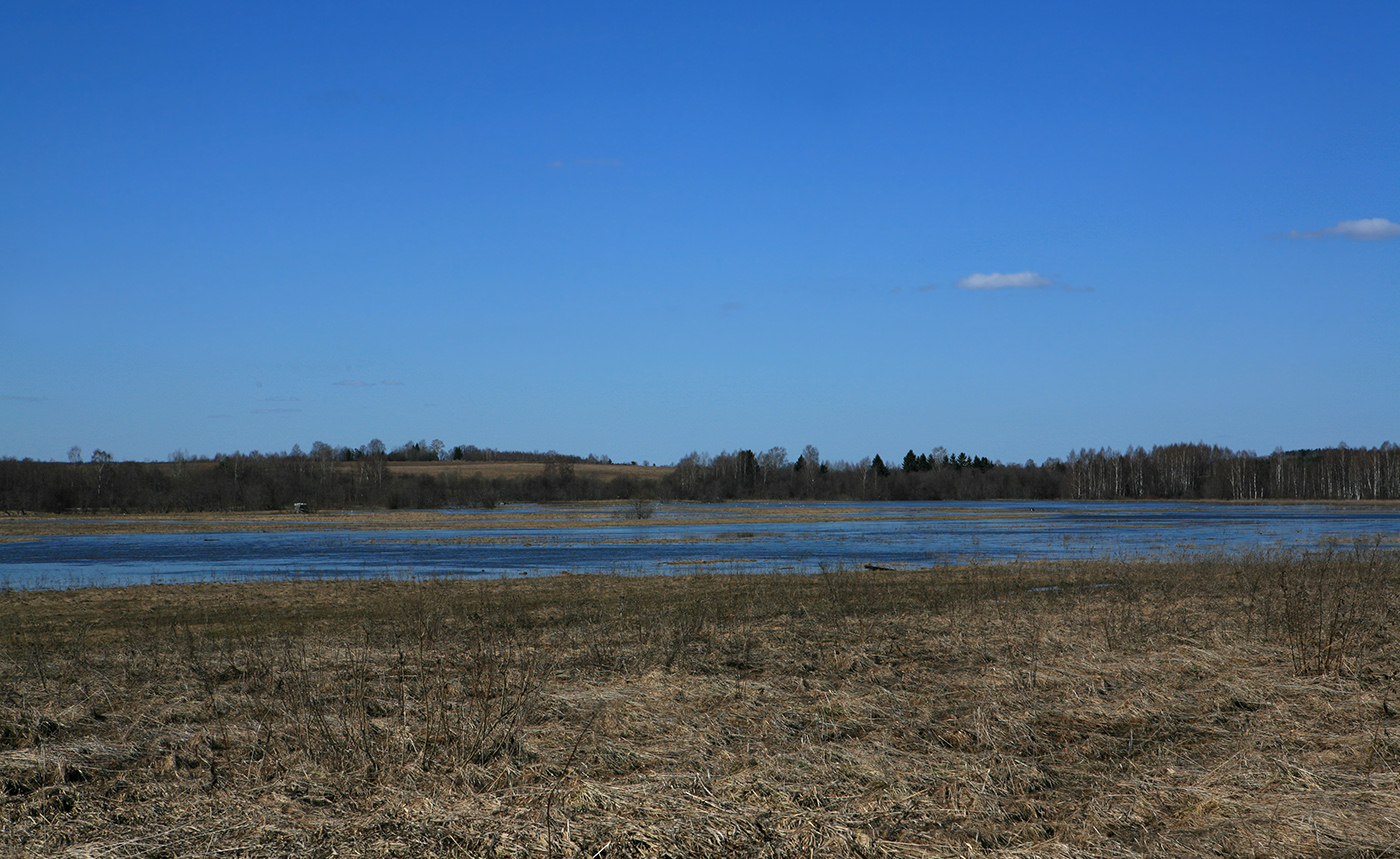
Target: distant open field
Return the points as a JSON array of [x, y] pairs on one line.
[[1217, 707], [491, 470]]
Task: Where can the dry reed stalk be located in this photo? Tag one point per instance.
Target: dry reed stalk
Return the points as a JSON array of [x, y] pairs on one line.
[[1017, 710]]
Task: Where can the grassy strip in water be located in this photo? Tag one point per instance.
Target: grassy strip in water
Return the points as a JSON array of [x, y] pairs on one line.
[[551, 516], [1226, 706]]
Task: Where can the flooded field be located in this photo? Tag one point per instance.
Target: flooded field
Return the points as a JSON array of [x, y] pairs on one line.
[[675, 539]]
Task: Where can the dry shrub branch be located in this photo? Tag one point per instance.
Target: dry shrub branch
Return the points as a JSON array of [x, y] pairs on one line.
[[1233, 706]]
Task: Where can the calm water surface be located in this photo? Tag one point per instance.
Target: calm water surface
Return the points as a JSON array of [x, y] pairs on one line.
[[677, 540]]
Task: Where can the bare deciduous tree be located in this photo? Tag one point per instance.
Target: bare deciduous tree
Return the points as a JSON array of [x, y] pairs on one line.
[[100, 458], [772, 461], [178, 459]]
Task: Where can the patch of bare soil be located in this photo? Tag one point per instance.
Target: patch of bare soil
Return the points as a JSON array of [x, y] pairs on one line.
[[1227, 707]]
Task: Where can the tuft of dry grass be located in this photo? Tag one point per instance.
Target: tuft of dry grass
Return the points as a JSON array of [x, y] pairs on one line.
[[1234, 706]]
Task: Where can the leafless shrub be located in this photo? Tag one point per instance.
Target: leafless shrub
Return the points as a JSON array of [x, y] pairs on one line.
[[1325, 603]]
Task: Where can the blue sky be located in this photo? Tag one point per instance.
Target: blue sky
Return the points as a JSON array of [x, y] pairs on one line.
[[637, 229]]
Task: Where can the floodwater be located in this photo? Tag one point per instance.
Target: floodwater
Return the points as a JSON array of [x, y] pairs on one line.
[[683, 538]]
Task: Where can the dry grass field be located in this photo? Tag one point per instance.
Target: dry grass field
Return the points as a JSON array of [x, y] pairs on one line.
[[490, 470], [581, 514], [1222, 707]]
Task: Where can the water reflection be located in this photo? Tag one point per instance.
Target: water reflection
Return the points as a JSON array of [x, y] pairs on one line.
[[682, 538]]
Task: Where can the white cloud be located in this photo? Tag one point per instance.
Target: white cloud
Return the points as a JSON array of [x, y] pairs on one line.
[[997, 280], [559, 164], [1366, 229]]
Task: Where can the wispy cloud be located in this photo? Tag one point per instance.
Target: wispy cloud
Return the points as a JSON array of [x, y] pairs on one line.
[[997, 280], [351, 383], [1365, 230], [274, 411], [18, 399], [281, 399], [595, 163]]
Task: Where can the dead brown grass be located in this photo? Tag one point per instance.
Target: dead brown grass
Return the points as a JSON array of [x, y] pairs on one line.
[[576, 514], [489, 470], [1098, 709]]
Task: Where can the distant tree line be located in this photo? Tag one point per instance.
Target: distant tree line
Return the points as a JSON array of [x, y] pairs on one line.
[[931, 477], [343, 477], [434, 451], [324, 477], [1177, 471], [1208, 471]]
